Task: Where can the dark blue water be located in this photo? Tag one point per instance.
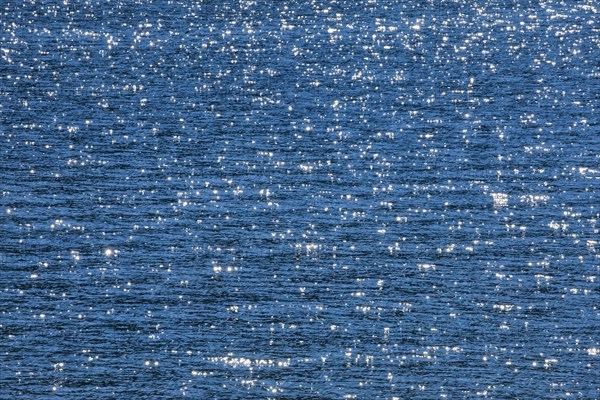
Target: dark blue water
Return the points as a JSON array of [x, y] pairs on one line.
[[299, 199]]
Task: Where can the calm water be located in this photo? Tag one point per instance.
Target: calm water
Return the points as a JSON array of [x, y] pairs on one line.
[[300, 199]]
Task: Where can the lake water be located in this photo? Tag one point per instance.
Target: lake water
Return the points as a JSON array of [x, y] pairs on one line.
[[299, 199]]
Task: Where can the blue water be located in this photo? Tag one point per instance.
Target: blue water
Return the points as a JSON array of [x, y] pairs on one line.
[[299, 199]]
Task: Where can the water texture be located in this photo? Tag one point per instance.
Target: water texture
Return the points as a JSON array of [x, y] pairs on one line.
[[299, 199]]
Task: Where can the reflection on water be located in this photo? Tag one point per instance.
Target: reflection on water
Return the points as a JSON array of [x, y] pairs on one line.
[[299, 200]]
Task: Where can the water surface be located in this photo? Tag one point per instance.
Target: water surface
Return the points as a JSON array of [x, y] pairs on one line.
[[300, 199]]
